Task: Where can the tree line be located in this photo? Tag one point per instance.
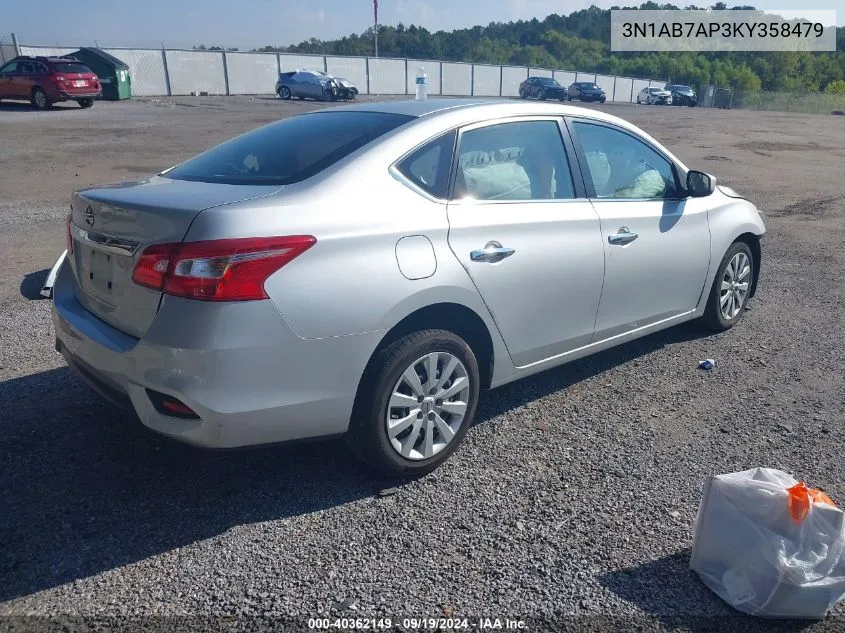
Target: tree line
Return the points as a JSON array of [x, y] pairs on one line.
[[581, 41]]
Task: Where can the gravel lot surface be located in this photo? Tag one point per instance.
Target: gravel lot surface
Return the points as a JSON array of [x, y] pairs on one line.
[[573, 498]]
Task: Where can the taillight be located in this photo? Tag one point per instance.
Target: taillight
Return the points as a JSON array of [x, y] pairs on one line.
[[218, 270], [69, 234]]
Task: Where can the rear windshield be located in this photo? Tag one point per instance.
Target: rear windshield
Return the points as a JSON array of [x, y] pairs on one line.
[[68, 67], [288, 151]]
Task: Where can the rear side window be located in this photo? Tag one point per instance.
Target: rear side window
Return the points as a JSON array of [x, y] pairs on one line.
[[288, 151], [69, 67], [429, 166]]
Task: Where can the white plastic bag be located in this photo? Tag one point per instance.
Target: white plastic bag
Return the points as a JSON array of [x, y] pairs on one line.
[[768, 546]]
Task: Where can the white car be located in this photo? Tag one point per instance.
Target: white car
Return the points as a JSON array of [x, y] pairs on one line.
[[654, 96]]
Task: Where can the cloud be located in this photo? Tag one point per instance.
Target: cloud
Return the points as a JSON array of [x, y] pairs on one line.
[[321, 16]]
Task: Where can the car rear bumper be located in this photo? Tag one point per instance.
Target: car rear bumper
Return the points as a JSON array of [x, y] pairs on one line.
[[238, 366], [70, 96]]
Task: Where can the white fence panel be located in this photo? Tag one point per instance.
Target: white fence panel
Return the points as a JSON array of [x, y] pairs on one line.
[[605, 83], [540, 72], [486, 80], [196, 71], [457, 79], [431, 68], [302, 62], [624, 85], [352, 68], [46, 51], [252, 73], [639, 84], [387, 76], [565, 77], [657, 83], [146, 70], [579, 76], [511, 78]]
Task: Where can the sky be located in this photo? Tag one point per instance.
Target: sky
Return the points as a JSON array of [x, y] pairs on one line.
[[247, 24]]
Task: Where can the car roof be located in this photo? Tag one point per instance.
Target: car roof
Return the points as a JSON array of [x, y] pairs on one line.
[[480, 108]]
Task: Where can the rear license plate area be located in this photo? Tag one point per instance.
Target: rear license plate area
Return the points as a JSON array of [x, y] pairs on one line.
[[79, 83], [96, 272]]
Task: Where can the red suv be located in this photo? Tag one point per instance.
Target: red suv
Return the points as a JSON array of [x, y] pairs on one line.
[[45, 80]]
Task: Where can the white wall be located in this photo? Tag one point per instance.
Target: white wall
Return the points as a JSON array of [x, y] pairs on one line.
[[146, 70], [540, 72], [623, 90], [301, 62], [196, 71], [579, 76], [512, 76], [431, 68], [605, 83], [486, 80], [565, 77], [387, 76], [252, 73], [457, 79], [352, 68]]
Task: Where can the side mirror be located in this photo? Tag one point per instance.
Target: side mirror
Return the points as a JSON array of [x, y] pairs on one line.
[[699, 184]]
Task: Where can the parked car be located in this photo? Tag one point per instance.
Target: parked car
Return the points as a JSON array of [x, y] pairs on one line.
[[542, 88], [229, 302], [314, 84], [585, 91], [654, 96], [44, 81], [682, 95]]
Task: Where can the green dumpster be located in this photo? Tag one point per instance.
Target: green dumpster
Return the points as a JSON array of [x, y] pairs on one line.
[[112, 73]]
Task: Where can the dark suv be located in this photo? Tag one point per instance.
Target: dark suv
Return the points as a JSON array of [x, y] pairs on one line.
[[45, 80]]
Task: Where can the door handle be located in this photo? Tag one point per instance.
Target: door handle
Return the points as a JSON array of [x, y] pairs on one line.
[[623, 236], [491, 253]]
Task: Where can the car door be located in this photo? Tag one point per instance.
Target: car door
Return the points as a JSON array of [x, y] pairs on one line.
[[656, 239], [531, 242], [24, 80], [7, 72]]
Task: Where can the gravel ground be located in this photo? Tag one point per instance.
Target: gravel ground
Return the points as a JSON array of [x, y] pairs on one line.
[[573, 498]]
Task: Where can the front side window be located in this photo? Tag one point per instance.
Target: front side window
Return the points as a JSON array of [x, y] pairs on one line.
[[621, 166], [523, 160], [428, 167], [288, 151], [9, 68]]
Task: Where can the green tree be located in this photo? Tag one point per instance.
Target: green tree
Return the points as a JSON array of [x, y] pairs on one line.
[[836, 87]]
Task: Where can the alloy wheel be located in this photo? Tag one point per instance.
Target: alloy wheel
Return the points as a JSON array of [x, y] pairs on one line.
[[735, 285], [40, 99], [427, 406]]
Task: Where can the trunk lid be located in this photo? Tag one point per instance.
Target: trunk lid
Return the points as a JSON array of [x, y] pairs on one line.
[[113, 224]]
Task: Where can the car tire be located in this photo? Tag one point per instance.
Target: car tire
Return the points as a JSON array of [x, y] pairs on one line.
[[522, 93], [39, 99], [541, 94], [284, 93], [737, 267], [85, 103], [421, 432]]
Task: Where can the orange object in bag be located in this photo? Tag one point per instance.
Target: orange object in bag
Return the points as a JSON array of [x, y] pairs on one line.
[[800, 498]]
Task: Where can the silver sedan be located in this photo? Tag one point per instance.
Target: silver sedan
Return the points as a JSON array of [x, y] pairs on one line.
[[367, 270]]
